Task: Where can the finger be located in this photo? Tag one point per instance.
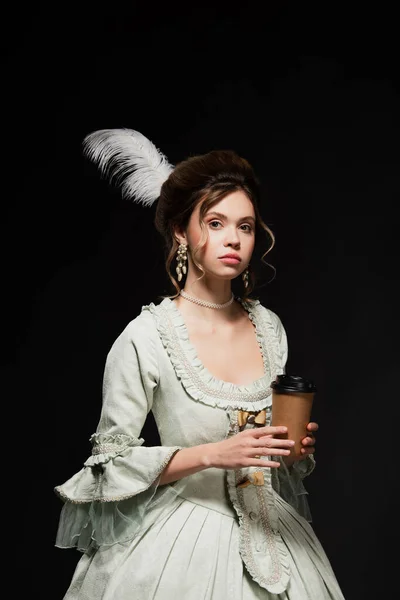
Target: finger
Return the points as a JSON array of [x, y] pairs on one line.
[[308, 441], [276, 430], [308, 450], [255, 462], [271, 442], [261, 462], [312, 426], [270, 451]]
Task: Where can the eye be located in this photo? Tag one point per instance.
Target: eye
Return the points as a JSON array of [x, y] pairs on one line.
[[245, 226]]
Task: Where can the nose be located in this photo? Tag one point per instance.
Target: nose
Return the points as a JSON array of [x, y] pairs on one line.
[[232, 237]]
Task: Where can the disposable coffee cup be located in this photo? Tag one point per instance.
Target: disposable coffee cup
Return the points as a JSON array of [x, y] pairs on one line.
[[292, 401]]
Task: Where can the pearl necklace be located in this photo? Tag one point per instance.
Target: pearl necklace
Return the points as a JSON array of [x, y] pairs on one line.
[[204, 302]]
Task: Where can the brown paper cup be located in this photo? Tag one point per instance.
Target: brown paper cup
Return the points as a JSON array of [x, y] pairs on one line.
[[292, 410]]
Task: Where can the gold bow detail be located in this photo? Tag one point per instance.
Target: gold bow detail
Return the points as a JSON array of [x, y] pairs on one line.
[[253, 418], [258, 419]]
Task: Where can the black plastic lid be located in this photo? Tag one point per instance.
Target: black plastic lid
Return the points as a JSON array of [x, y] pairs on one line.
[[293, 383]]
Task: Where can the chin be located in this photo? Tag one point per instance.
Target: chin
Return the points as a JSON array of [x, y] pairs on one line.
[[224, 277]]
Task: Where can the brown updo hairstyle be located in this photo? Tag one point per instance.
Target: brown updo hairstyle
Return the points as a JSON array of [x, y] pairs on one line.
[[206, 178]]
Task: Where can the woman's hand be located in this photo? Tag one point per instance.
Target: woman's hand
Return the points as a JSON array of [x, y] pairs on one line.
[[245, 448], [308, 444], [309, 441]]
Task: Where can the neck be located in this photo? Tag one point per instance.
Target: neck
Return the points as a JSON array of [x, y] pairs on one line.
[[217, 292], [215, 316]]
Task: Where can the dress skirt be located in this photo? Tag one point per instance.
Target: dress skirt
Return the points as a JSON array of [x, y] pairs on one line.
[[193, 554]]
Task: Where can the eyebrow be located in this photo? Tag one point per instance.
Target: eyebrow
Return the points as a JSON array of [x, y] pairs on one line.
[[221, 216]]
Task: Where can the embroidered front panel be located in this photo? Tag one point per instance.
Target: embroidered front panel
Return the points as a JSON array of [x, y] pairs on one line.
[[275, 569], [250, 490]]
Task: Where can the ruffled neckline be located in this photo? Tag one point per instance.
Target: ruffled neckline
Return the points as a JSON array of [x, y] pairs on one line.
[[198, 381]]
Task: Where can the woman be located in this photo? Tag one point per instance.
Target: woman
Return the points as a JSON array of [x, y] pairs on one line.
[[218, 511]]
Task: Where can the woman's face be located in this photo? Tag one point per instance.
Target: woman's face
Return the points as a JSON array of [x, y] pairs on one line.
[[230, 231]]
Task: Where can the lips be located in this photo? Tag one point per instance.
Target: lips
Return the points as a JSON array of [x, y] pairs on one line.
[[235, 256]]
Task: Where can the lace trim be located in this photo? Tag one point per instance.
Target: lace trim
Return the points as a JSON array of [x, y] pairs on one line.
[[106, 448], [263, 341], [103, 443], [198, 382], [193, 377], [99, 475]]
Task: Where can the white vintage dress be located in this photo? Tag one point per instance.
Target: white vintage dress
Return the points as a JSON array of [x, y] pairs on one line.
[[214, 535]]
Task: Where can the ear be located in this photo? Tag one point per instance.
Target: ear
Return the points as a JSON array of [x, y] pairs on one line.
[[180, 235]]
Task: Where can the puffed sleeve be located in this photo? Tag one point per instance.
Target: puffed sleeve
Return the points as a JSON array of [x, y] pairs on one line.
[[116, 493], [288, 482]]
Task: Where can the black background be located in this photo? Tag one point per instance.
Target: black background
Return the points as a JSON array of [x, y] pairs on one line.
[[309, 93]]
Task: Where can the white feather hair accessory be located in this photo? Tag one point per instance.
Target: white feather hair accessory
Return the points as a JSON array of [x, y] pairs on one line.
[[132, 159]]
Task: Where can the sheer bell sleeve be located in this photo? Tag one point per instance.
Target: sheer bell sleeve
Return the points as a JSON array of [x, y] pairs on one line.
[[117, 494], [288, 481]]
